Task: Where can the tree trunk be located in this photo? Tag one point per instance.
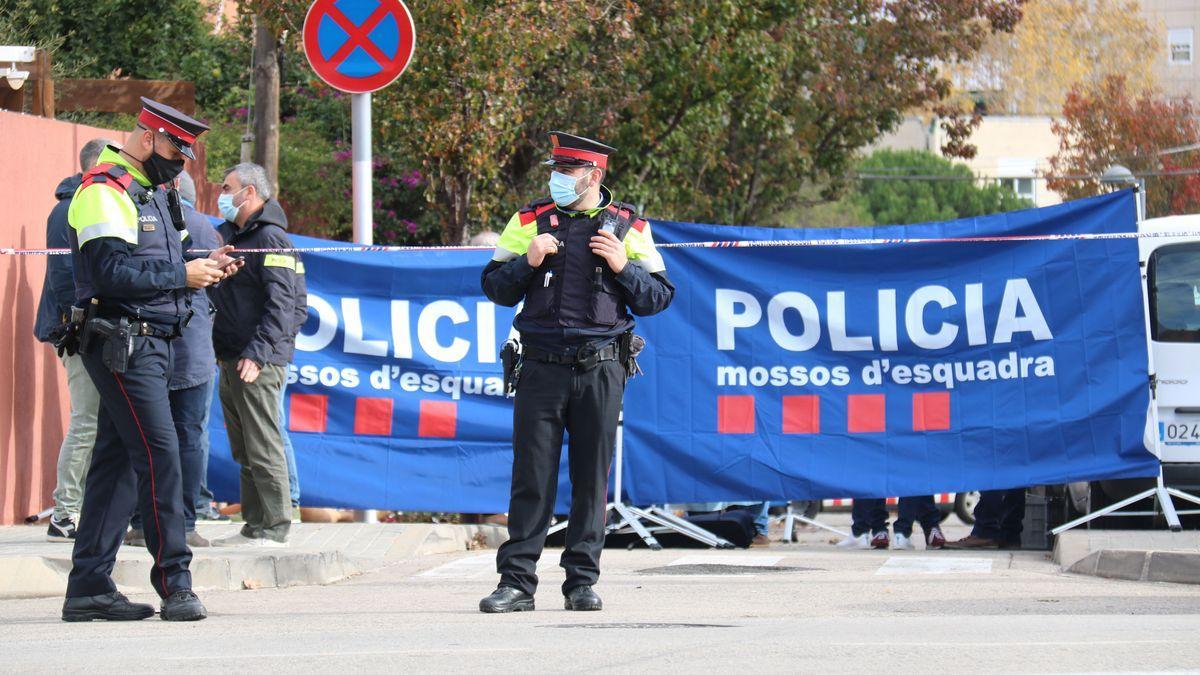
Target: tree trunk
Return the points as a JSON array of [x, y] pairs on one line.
[[266, 102]]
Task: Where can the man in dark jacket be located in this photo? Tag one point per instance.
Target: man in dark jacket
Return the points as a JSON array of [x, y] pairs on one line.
[[254, 336], [58, 294]]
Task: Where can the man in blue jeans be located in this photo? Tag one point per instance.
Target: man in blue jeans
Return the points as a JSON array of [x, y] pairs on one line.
[[999, 519], [870, 526]]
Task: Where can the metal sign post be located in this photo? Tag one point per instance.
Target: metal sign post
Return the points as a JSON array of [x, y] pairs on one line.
[[360, 121], [360, 46]]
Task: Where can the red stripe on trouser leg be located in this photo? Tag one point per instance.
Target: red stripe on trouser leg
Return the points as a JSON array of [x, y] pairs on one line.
[[162, 576]]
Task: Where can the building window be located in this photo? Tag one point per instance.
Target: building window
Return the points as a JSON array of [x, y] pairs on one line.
[[1179, 46], [1021, 187]]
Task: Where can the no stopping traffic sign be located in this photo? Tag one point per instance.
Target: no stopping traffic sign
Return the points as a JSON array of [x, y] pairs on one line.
[[359, 46]]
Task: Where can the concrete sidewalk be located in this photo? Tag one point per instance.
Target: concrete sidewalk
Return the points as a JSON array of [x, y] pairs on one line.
[[1133, 555], [320, 553]]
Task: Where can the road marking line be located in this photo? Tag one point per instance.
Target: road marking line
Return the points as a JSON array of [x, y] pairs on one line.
[[469, 566], [897, 565], [474, 567], [396, 652], [739, 559]]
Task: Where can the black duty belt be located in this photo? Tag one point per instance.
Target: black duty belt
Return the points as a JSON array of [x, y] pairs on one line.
[[146, 329], [586, 357], [141, 327]]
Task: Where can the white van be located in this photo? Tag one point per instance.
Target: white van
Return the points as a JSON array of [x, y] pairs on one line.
[[1173, 269], [1172, 266]]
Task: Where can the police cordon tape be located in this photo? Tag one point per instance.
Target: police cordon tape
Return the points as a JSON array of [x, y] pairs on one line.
[[763, 243]]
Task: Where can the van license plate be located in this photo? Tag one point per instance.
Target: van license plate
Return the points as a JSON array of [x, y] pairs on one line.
[[1185, 430]]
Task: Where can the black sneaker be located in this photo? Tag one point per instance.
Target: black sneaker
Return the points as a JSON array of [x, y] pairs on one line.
[[506, 599], [62, 531], [183, 606], [107, 607]]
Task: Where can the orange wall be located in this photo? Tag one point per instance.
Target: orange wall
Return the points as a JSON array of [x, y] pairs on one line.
[[37, 153]]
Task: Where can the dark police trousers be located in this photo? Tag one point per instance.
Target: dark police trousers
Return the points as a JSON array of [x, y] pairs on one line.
[[135, 463], [587, 403]]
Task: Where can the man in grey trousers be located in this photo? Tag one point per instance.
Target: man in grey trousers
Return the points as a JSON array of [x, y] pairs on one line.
[[54, 310], [254, 336]]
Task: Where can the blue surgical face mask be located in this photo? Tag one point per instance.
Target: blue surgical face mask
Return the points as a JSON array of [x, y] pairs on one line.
[[563, 188], [225, 206]]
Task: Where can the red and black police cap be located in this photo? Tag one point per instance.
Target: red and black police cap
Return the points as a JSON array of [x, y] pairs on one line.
[[179, 128], [571, 150]]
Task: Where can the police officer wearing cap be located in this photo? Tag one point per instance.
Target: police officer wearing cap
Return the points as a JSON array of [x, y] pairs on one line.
[[583, 263], [134, 277]]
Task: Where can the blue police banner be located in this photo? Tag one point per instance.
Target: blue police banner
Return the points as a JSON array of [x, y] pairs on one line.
[[395, 399], [895, 369], [778, 372]]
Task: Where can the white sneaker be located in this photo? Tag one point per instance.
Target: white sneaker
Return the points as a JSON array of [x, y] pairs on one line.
[[240, 539], [862, 541], [269, 543], [234, 540], [902, 543]]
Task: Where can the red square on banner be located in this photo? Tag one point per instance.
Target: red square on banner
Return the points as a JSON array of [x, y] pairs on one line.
[[373, 417], [866, 413], [735, 414], [439, 419], [931, 411], [801, 414], [309, 412]]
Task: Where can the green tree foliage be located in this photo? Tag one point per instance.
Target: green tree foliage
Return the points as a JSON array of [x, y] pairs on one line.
[[130, 38], [722, 111], [901, 202]]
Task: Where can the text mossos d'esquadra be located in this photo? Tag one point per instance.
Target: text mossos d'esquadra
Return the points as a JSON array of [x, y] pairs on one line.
[[1018, 314]]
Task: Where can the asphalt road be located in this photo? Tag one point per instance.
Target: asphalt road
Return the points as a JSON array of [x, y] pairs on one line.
[[798, 607]]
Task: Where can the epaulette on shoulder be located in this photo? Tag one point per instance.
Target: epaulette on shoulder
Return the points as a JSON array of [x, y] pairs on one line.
[[112, 175], [531, 211]]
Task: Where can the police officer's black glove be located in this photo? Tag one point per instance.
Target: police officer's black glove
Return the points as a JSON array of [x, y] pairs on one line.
[[65, 338]]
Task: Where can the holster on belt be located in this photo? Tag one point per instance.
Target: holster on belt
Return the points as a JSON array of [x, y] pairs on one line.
[[510, 358], [629, 346], [114, 337]]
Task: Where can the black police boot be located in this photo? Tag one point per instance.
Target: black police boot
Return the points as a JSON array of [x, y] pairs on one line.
[[583, 599], [182, 606], [506, 599], [108, 607]]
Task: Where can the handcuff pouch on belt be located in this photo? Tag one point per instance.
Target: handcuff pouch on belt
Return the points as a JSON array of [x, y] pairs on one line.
[[510, 358]]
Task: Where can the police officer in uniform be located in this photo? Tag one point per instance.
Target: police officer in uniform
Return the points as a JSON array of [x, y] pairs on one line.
[[582, 263], [134, 278]]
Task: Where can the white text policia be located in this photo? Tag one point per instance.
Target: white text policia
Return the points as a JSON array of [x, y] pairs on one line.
[[1018, 312]]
